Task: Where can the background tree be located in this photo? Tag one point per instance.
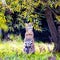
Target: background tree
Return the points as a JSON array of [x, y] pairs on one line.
[[51, 24]]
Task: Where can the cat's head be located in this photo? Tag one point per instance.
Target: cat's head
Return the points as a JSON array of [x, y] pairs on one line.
[[28, 26]]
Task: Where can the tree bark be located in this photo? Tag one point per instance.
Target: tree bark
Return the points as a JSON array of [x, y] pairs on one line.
[[53, 30]]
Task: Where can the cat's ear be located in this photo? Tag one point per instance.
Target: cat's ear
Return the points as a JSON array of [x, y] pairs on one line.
[[26, 24]]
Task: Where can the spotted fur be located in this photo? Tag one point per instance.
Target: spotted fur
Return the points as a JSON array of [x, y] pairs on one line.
[[29, 39]]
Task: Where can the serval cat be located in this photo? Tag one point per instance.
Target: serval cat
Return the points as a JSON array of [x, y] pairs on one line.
[[29, 39]]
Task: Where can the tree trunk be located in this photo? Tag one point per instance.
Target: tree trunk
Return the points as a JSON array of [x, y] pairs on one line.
[[52, 28]]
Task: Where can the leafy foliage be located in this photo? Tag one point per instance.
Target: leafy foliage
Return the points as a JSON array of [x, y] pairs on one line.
[[18, 12], [26, 11], [3, 24]]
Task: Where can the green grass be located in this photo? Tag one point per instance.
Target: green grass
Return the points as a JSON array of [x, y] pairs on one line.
[[13, 50]]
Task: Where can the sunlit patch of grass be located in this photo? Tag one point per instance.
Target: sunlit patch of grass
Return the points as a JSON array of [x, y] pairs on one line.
[[43, 47], [10, 48], [13, 50], [57, 56]]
